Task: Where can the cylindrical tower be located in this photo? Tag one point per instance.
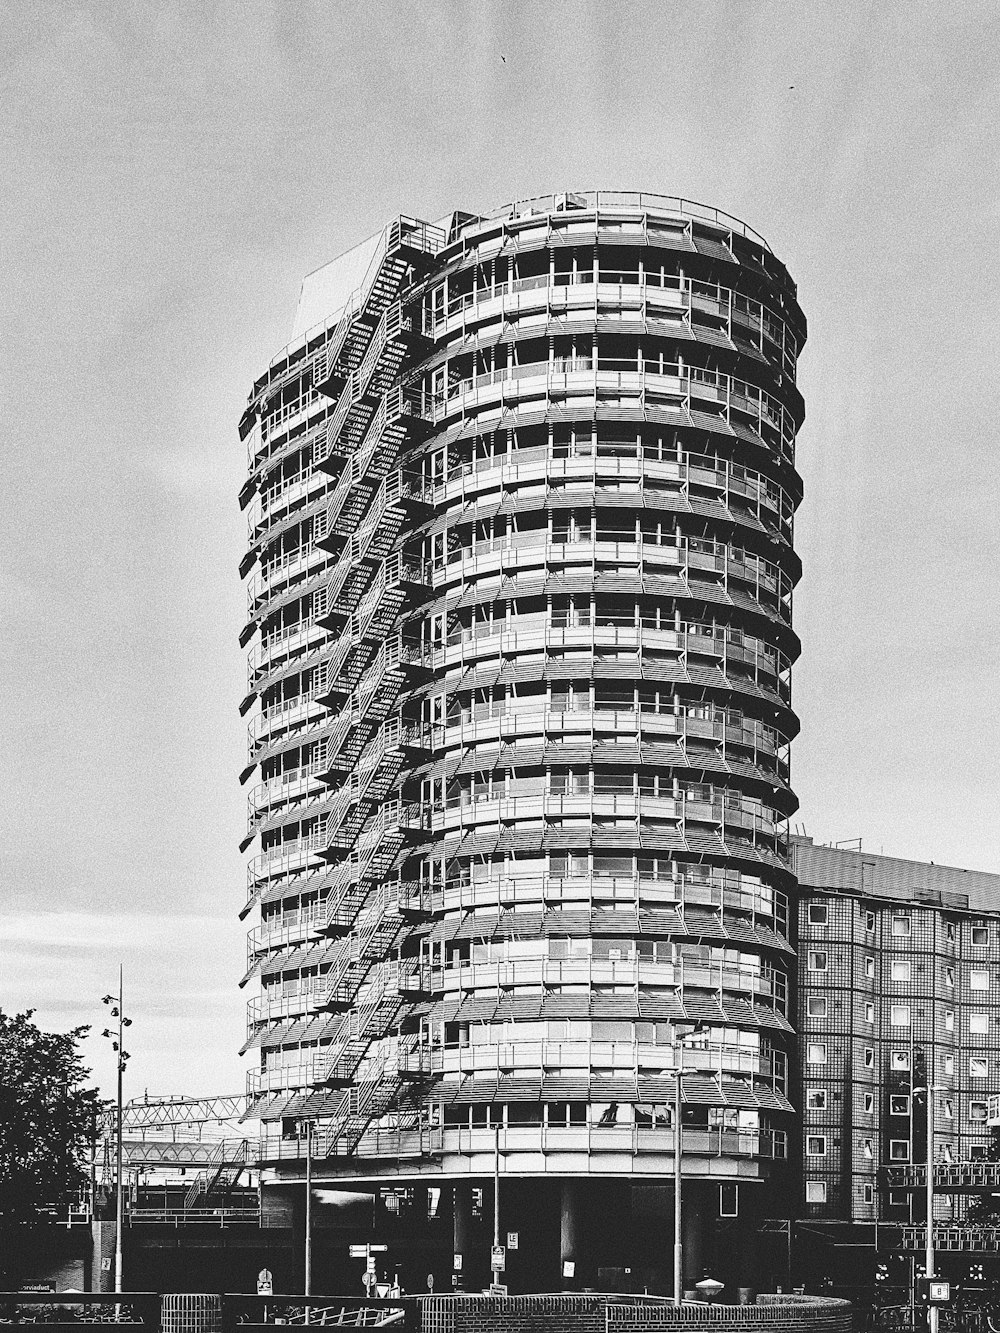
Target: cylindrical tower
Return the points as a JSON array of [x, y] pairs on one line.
[[523, 537]]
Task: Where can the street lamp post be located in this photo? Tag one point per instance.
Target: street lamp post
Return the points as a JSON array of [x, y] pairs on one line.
[[932, 1310], [679, 1072], [121, 1057]]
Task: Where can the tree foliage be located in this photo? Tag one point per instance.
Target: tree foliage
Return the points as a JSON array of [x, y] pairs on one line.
[[47, 1117]]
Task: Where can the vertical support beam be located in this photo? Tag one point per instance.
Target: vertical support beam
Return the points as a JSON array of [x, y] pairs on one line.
[[462, 1231], [570, 1226]]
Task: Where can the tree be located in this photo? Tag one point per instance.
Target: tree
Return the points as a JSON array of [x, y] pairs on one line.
[[47, 1123]]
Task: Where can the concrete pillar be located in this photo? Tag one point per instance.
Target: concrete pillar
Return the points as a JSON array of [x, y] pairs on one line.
[[570, 1228], [693, 1235], [462, 1230]]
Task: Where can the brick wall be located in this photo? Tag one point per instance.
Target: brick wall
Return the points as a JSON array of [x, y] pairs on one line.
[[605, 1314]]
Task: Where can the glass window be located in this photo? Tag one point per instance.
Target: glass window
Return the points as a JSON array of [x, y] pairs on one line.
[[901, 927], [979, 979], [899, 1105], [815, 1145], [816, 1053], [978, 1067], [815, 1191], [869, 1012], [900, 1060], [867, 1193], [977, 1112], [816, 1099], [869, 967], [869, 1103], [980, 936], [899, 1150], [949, 976], [949, 1064], [816, 1006], [949, 930], [867, 1148], [949, 1020], [817, 914], [979, 1024], [870, 921], [869, 1057], [899, 971], [817, 960], [899, 1016]]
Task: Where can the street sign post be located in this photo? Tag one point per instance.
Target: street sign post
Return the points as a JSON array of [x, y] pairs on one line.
[[498, 1258]]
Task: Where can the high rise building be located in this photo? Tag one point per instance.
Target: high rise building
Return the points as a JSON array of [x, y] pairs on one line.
[[521, 495]]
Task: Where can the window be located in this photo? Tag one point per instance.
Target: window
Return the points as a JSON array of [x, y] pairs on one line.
[[867, 1148], [949, 976], [815, 1191], [869, 966], [816, 1099], [867, 1193], [979, 979], [979, 1024], [977, 1112], [816, 1006], [869, 1103], [949, 1064], [869, 1057], [949, 1020], [816, 1053], [817, 960], [869, 1012], [901, 927], [978, 1067], [899, 1150], [980, 936], [899, 971], [949, 1114], [815, 1145], [870, 922], [817, 914], [899, 1016], [899, 1105], [949, 930], [900, 1060]]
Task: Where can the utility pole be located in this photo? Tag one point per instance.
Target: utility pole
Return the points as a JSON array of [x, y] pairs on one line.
[[309, 1237], [932, 1309]]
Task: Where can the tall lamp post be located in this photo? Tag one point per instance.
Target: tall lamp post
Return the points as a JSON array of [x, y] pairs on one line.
[[680, 1037], [121, 1058], [928, 1091]]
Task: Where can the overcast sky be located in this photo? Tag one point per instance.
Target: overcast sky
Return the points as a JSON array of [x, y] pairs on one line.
[[170, 173]]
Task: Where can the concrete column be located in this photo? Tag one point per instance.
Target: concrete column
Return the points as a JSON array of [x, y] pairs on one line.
[[693, 1234], [570, 1228], [462, 1230]]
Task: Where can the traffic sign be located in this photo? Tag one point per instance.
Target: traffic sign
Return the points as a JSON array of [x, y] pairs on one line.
[[939, 1293], [497, 1289], [369, 1279], [512, 1239], [498, 1256]]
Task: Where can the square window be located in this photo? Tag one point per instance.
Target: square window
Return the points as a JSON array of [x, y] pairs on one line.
[[979, 979], [900, 1060], [899, 1150], [815, 1145], [978, 1152], [979, 1024], [869, 1103], [869, 966], [977, 1112], [978, 1067], [816, 1053], [899, 1105], [817, 960], [816, 1099], [817, 914], [899, 1016], [869, 1012], [815, 1191], [816, 1006], [899, 971], [901, 927], [980, 936], [898, 1198]]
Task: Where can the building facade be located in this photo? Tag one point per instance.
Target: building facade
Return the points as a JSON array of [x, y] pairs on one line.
[[521, 497], [899, 993]]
